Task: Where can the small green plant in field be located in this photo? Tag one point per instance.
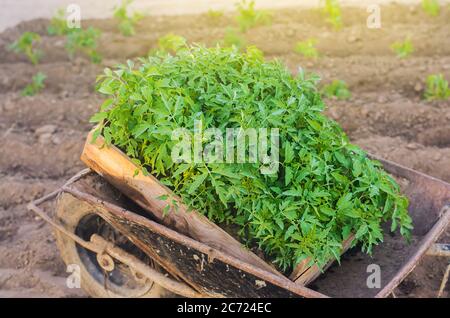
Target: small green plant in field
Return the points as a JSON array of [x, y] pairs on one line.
[[307, 48], [431, 7], [248, 17], [85, 41], [214, 16], [403, 49], [437, 88], [337, 89], [126, 21], [58, 24], [25, 44], [171, 43], [332, 11], [324, 188], [233, 37], [35, 86], [254, 53]]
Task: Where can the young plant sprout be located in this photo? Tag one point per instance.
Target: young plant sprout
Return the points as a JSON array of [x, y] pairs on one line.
[[24, 45], [35, 86], [403, 49], [437, 88], [234, 38], [249, 17], [58, 24], [126, 22], [214, 16], [307, 48], [84, 41], [332, 12], [431, 7]]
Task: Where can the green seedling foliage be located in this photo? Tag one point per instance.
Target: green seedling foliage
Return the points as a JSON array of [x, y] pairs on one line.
[[403, 49], [84, 41], [35, 86], [431, 7], [325, 189], [307, 48], [214, 16], [126, 22], [234, 38], [337, 89], [332, 12], [248, 17], [24, 45], [58, 24], [437, 88]]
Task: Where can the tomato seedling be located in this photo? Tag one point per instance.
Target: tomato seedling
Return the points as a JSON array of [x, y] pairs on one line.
[[307, 48], [437, 88], [25, 45], [337, 89], [234, 38], [35, 86], [332, 12], [84, 41], [248, 17], [214, 16], [58, 24], [403, 49], [431, 7]]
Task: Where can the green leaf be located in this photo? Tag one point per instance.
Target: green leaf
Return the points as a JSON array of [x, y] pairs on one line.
[[182, 168], [293, 193], [198, 180], [340, 178], [288, 153], [289, 231], [314, 124], [361, 231], [98, 117], [140, 129], [288, 176]]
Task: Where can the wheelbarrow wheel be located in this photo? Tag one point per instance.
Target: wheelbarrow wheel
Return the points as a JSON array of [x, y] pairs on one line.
[[118, 281]]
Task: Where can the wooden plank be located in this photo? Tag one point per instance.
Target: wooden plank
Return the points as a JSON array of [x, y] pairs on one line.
[[119, 170], [303, 274]]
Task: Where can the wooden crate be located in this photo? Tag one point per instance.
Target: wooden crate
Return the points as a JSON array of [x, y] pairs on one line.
[[116, 167]]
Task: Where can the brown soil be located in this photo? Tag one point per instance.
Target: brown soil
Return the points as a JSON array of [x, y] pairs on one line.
[[42, 136]]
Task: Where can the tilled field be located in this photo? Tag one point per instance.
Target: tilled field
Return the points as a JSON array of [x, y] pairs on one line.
[[42, 136]]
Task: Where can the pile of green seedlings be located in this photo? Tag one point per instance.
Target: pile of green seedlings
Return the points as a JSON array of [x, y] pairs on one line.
[[324, 190]]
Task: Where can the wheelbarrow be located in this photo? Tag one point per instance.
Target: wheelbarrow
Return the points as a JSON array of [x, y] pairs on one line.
[[103, 226]]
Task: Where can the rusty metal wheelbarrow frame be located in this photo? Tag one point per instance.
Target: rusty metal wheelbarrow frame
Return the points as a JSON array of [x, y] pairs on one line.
[[246, 280]]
